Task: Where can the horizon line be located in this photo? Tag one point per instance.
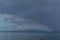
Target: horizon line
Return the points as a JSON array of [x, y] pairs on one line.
[[32, 31]]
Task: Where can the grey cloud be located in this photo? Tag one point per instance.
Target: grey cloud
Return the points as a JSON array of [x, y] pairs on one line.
[[9, 23], [42, 11]]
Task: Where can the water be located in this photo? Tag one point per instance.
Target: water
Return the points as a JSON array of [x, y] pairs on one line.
[[28, 36]]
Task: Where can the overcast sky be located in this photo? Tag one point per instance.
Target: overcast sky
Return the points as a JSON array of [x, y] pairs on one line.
[[45, 12]]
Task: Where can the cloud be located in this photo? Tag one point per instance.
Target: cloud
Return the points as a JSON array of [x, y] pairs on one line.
[[17, 23], [37, 10]]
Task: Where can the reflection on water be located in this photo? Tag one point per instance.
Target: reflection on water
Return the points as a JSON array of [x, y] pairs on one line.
[[29, 36]]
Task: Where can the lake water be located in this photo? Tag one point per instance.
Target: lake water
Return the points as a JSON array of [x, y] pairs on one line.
[[28, 36]]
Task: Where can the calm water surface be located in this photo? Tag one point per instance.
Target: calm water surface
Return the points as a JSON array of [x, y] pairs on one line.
[[29, 36]]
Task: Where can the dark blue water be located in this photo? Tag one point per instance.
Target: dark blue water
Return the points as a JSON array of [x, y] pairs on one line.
[[29, 36]]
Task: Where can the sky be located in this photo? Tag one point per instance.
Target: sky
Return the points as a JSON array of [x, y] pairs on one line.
[[18, 23], [45, 12]]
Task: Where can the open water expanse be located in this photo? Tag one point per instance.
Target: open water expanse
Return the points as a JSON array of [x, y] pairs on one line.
[[29, 36]]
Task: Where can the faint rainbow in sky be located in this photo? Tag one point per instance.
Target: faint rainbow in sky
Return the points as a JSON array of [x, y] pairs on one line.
[[35, 24]]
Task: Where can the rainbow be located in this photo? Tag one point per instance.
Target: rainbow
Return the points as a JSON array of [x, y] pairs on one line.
[[14, 22]]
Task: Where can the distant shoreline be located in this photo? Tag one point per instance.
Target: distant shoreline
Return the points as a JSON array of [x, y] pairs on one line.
[[30, 31]]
